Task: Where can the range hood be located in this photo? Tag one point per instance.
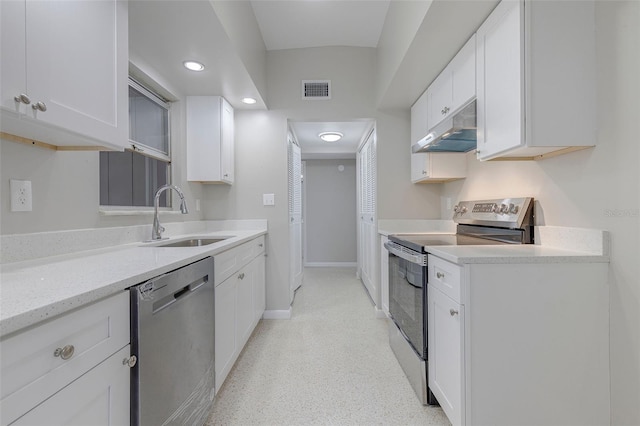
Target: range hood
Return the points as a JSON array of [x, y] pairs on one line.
[[455, 134]]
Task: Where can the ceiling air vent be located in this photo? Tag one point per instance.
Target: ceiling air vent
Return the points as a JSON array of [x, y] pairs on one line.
[[316, 89]]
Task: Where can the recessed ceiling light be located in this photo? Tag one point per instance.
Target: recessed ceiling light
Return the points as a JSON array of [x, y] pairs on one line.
[[249, 101], [330, 136], [193, 65]]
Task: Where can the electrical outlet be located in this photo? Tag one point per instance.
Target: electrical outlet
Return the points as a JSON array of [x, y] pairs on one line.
[[20, 195], [268, 199]]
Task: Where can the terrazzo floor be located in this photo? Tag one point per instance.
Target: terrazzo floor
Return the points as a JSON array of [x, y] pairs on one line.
[[329, 365]]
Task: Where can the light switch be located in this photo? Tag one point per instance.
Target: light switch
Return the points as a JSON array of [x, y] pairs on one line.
[[269, 199]]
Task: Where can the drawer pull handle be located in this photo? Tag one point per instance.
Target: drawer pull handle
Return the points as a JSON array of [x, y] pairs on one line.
[[453, 312], [241, 276], [64, 353], [260, 245], [131, 361], [22, 98], [39, 106], [439, 275]]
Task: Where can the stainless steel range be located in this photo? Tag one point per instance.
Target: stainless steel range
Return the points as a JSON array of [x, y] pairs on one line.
[[484, 222]]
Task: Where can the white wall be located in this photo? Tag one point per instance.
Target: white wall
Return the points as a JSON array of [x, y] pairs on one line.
[[596, 188], [330, 211], [401, 24], [66, 189]]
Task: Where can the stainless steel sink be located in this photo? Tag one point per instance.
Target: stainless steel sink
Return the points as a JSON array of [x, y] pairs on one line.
[[192, 242]]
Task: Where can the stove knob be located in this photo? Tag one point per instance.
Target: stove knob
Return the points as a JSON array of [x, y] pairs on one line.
[[463, 210], [495, 209], [504, 209], [513, 209], [456, 209]]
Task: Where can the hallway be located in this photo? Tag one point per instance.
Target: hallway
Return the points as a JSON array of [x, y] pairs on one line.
[[330, 364]]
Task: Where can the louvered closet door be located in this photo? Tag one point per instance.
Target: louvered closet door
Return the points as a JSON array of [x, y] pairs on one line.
[[295, 217], [367, 204]]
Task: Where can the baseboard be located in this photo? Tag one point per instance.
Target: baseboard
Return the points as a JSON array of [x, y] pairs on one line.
[[330, 264], [273, 315], [380, 314]]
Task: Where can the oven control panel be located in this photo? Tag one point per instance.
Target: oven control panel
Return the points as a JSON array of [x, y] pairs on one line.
[[501, 212]]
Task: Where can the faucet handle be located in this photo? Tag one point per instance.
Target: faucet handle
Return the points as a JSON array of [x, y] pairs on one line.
[[160, 228]]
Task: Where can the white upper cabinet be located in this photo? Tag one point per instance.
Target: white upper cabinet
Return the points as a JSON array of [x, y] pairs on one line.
[[210, 139], [64, 72], [420, 119], [435, 167], [536, 87], [455, 86]]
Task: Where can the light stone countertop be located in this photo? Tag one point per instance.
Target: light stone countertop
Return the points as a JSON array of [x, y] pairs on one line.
[[525, 253], [553, 244], [35, 290]]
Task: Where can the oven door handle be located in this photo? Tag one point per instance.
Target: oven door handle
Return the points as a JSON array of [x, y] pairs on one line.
[[406, 254]]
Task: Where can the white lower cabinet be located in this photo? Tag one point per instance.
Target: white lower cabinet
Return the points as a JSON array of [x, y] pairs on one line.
[[445, 359], [100, 397], [445, 337], [239, 302], [69, 370], [519, 343]]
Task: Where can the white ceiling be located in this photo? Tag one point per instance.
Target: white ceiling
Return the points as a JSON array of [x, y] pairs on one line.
[[162, 34], [313, 23], [312, 147]]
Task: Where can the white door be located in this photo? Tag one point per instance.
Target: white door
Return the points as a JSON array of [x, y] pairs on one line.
[[367, 217], [295, 218]]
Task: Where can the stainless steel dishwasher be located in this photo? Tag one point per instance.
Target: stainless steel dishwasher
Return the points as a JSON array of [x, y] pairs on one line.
[[172, 335]]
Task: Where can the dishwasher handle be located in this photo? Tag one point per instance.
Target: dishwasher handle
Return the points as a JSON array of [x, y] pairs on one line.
[[170, 299]]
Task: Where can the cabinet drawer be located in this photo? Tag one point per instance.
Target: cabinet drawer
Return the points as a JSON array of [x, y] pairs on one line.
[[445, 276], [230, 261], [31, 372]]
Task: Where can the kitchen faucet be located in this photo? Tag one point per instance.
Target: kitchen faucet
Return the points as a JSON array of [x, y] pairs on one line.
[[156, 232]]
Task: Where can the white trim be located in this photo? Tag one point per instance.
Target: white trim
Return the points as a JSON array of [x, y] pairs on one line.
[[274, 315], [123, 211], [380, 314], [331, 264]]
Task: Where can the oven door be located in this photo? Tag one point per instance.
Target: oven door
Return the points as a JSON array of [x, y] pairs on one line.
[[408, 294]]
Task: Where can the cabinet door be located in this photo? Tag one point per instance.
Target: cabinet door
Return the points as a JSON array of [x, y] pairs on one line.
[[100, 397], [419, 167], [227, 146], [445, 345], [259, 286], [225, 335], [13, 75], [419, 118], [244, 306], [440, 97], [69, 58], [384, 275], [500, 80], [77, 64], [210, 139], [463, 74]]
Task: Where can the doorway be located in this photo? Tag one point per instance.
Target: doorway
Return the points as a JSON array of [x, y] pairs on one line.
[[332, 193]]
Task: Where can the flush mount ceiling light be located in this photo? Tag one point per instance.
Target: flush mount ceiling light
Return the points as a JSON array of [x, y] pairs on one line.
[[193, 65], [248, 101], [330, 136]]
